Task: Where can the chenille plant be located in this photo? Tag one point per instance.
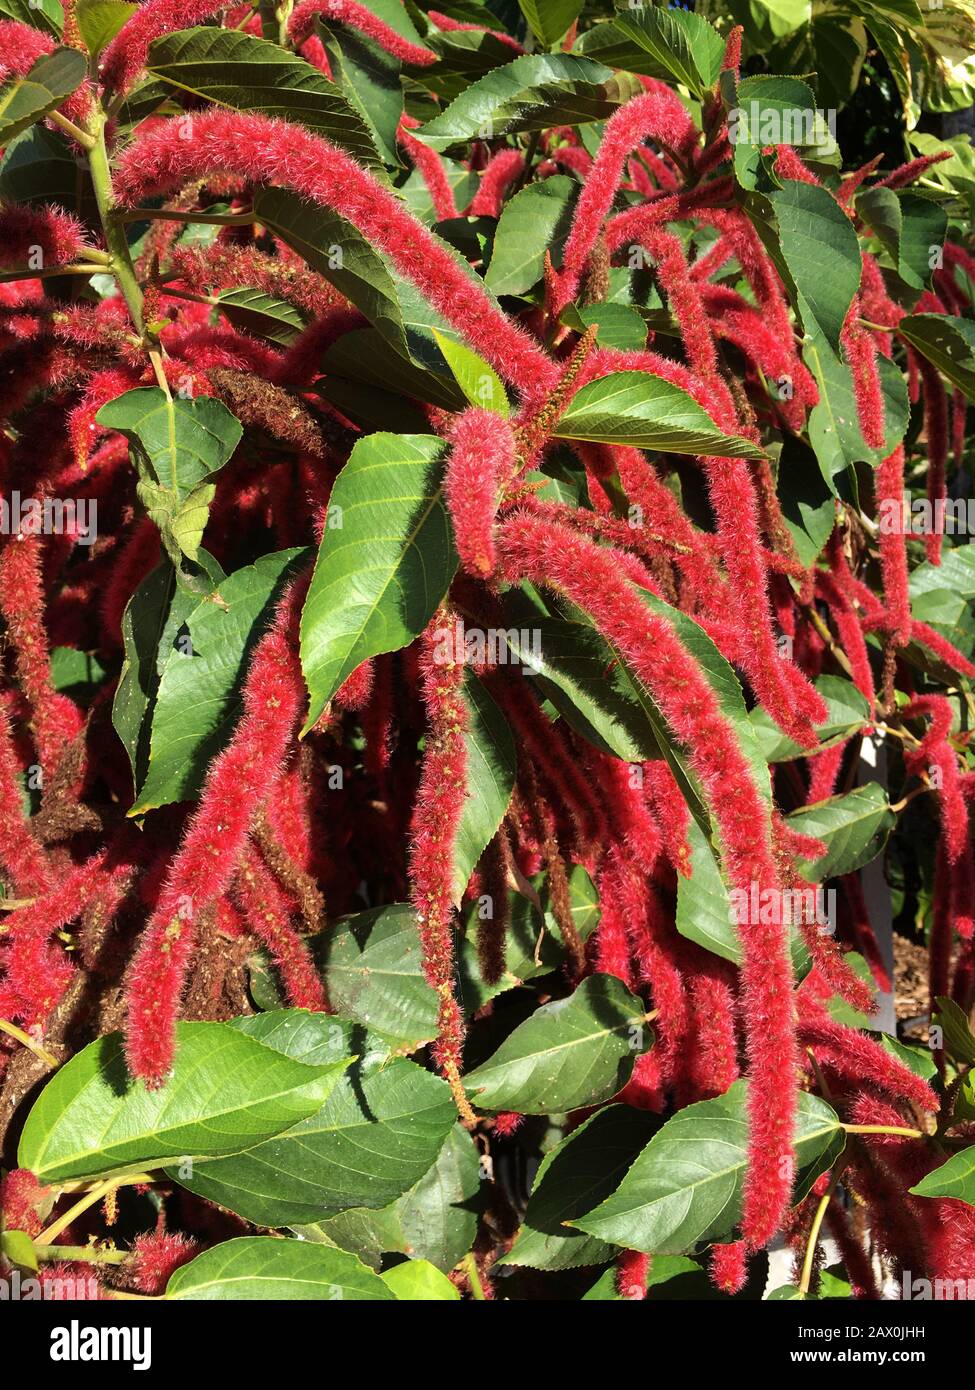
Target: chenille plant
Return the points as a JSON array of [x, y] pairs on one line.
[[483, 572]]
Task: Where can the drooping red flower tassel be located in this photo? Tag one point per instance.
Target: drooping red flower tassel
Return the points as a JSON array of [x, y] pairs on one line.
[[430, 167], [436, 818], [729, 1266], [481, 461], [235, 787], [889, 489], [359, 17]]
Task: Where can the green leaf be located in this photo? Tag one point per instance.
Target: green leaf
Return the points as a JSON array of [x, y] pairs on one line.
[[239, 70], [948, 343], [575, 1176], [491, 766], [17, 1248], [226, 1091], [373, 973], [253, 311], [769, 109], [959, 1041], [686, 1185], [534, 221], [532, 93], [24, 100], [75, 672], [436, 1220], [956, 1178], [573, 1052], [849, 712], [418, 1281], [369, 77], [178, 447], [335, 249], [650, 413], [618, 325], [389, 502], [916, 1059], [152, 619], [574, 667], [41, 166], [707, 915], [100, 20], [659, 42], [201, 662], [550, 19], [262, 1268], [47, 15], [853, 827], [477, 379], [910, 228], [814, 231], [375, 1136]]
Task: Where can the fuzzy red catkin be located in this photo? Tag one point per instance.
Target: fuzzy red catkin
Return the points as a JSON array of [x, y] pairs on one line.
[[855, 1057], [448, 25], [659, 114], [936, 435], [359, 17], [236, 784], [20, 853], [861, 355], [20, 47], [125, 57], [272, 151], [430, 167], [907, 173], [889, 490], [482, 459], [589, 576], [155, 1257], [729, 1266], [632, 1271], [936, 752], [436, 818], [500, 172], [47, 234], [850, 633], [268, 915]]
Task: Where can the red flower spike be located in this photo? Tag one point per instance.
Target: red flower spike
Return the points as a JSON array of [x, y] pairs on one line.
[[125, 57], [889, 490], [26, 231], [21, 1200], [788, 165], [857, 1058], [589, 576], [236, 786], [729, 1266], [359, 17], [271, 151], [20, 853], [430, 167], [908, 173], [20, 47], [658, 114], [268, 914], [861, 355], [731, 62], [481, 462], [500, 172], [156, 1257], [632, 1272], [507, 1123], [436, 817], [455, 26]]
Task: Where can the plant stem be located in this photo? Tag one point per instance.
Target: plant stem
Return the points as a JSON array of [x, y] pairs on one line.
[[82, 136], [216, 219], [22, 273], [87, 1254], [885, 1129], [118, 247], [20, 1036], [814, 1229], [477, 1288], [100, 1190]]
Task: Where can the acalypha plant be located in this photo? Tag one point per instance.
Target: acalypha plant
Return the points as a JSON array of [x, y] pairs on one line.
[[486, 651]]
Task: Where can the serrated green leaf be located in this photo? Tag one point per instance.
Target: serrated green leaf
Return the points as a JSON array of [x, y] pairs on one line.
[[910, 227], [17, 1248], [262, 1268], [24, 100], [686, 1186], [854, 828], [956, 1178], [100, 20], [575, 1176], [550, 19], [178, 446], [814, 231], [477, 379], [418, 1281], [647, 412], [201, 662], [535, 220], [226, 1092], [959, 1040], [389, 498], [253, 311], [573, 1052], [948, 343], [532, 93], [231, 68], [376, 1135], [659, 43]]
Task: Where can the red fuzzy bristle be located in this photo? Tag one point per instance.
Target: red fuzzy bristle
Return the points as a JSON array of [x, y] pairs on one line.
[[908, 173], [359, 17], [47, 235], [436, 818], [430, 167], [500, 172], [481, 462], [235, 787], [861, 355], [448, 26], [20, 47], [632, 1271], [125, 57], [272, 151], [857, 1058], [22, 1199], [889, 490], [156, 1257], [589, 576], [268, 914], [729, 1266]]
